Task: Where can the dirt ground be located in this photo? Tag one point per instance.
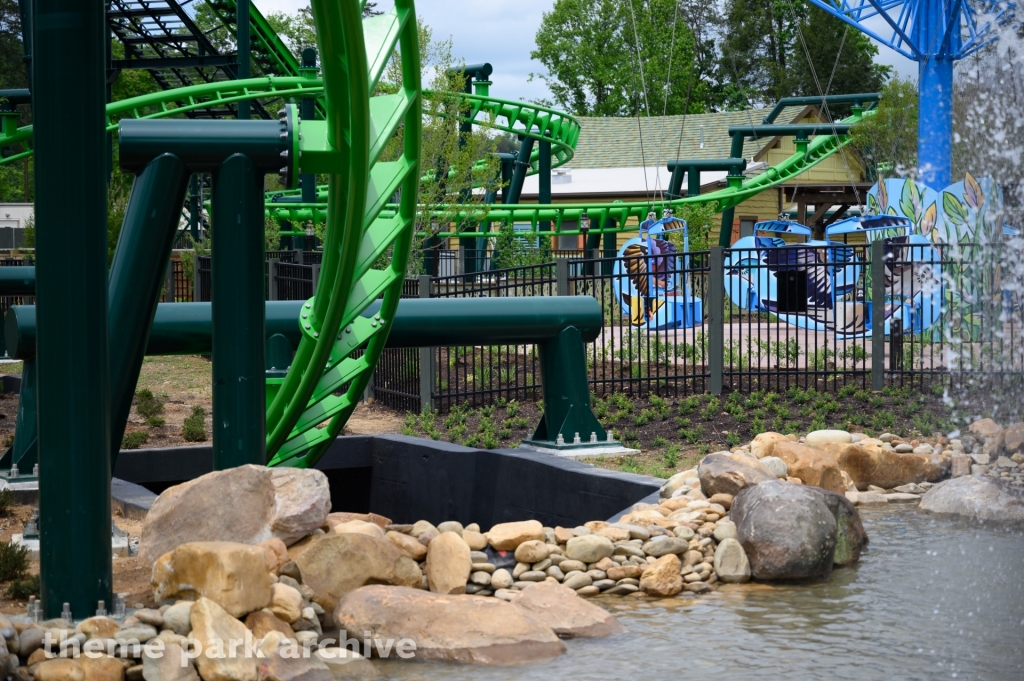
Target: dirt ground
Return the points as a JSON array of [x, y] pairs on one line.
[[129, 576]]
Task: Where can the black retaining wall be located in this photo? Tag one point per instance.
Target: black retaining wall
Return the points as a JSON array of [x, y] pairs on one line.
[[408, 479]]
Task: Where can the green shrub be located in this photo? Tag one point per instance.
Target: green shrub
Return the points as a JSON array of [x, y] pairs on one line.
[[147, 405], [13, 561], [194, 427], [659, 441], [134, 440], [732, 439], [155, 422], [7, 501], [512, 408], [20, 590], [672, 456]]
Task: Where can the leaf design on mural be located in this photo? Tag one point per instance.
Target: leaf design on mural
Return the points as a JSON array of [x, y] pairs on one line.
[[954, 209], [873, 208], [891, 211], [883, 198], [927, 222], [910, 201], [973, 193]]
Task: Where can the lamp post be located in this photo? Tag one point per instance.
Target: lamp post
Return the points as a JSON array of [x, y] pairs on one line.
[[310, 236]]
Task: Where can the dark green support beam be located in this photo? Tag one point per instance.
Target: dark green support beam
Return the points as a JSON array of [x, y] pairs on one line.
[[71, 289], [693, 168], [857, 100], [544, 181], [243, 49], [137, 277], [522, 167]]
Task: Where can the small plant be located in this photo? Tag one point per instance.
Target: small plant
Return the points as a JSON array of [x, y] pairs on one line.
[[472, 441], [22, 589], [194, 427], [500, 403], [13, 561], [778, 424], [703, 448], [876, 402], [134, 440], [520, 422], [487, 411], [854, 352], [671, 456], [732, 439], [682, 423], [505, 433], [711, 410], [848, 390], [688, 405], [757, 426], [770, 399], [817, 424], [938, 389], [512, 408], [147, 405], [411, 421], [882, 420], [806, 411], [155, 422], [456, 433], [782, 412], [659, 442], [862, 395]]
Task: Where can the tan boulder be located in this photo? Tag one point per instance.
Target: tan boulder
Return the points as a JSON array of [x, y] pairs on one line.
[[533, 551], [101, 668], [214, 628], [281, 665], [339, 563], [409, 545], [991, 435], [346, 664], [626, 571], [170, 666], [261, 623], [448, 564], [613, 533], [813, 466], [276, 554], [725, 473], [59, 670], [662, 578], [1013, 438], [508, 536], [470, 629], [885, 468], [763, 444], [342, 517], [358, 527], [475, 540], [98, 627], [246, 504], [559, 608], [285, 602], [232, 575], [723, 500]]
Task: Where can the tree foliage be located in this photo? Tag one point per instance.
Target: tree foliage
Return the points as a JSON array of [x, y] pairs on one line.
[[887, 141], [613, 58]]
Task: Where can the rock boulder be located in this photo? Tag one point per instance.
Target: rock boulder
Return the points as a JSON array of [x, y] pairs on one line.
[[214, 628], [976, 496], [448, 564], [247, 504], [234, 576], [508, 536], [473, 629], [764, 444], [874, 465], [813, 466], [559, 608], [731, 564], [725, 473]]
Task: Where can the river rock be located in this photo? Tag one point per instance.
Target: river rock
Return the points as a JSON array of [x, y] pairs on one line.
[[961, 465], [763, 444], [731, 564], [98, 627], [233, 575], [346, 664], [475, 540], [246, 504], [278, 666], [724, 531], [990, 434], [336, 564], [982, 497], [722, 499], [817, 438], [448, 564], [662, 578], [502, 579], [851, 538], [177, 618], [358, 527], [409, 545], [1013, 438], [787, 531], [261, 623], [868, 498], [674, 483], [663, 546], [725, 473], [532, 551], [471, 629], [589, 548], [508, 536], [172, 665], [568, 615], [59, 670], [285, 602], [870, 465], [213, 628], [776, 465], [813, 466]]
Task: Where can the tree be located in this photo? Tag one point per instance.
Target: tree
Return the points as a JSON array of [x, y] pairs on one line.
[[612, 58], [887, 141], [780, 48]]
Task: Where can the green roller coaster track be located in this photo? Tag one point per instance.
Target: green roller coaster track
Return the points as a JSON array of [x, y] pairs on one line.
[[308, 407]]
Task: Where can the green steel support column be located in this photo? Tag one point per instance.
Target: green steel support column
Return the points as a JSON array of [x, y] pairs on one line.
[[716, 320], [693, 181], [544, 180], [242, 41], [25, 10], [522, 167], [136, 277], [566, 394], [25, 450], [725, 235], [878, 315], [610, 247], [239, 402], [71, 291]]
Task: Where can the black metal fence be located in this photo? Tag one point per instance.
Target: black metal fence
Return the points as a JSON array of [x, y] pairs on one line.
[[752, 319]]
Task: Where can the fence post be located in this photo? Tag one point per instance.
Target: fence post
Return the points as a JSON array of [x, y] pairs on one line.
[[878, 315], [169, 293], [316, 276], [272, 292], [462, 258], [716, 320], [428, 358], [562, 277]]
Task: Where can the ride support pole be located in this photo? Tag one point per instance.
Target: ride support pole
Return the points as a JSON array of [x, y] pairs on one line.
[[71, 291]]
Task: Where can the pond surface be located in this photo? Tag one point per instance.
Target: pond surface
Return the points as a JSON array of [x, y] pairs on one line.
[[932, 598]]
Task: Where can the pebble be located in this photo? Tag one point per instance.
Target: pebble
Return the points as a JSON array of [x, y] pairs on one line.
[[501, 579], [575, 580], [903, 448], [483, 567], [623, 589], [698, 587], [480, 577], [478, 557], [589, 590], [568, 566], [902, 498], [603, 584], [532, 576], [555, 572], [725, 531]]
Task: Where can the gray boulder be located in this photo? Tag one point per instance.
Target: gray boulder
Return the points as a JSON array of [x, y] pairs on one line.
[[787, 531], [850, 534], [976, 496], [725, 473]]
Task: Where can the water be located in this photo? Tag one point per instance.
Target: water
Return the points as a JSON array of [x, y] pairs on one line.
[[931, 598]]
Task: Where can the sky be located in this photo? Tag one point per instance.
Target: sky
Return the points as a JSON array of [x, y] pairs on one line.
[[502, 32]]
